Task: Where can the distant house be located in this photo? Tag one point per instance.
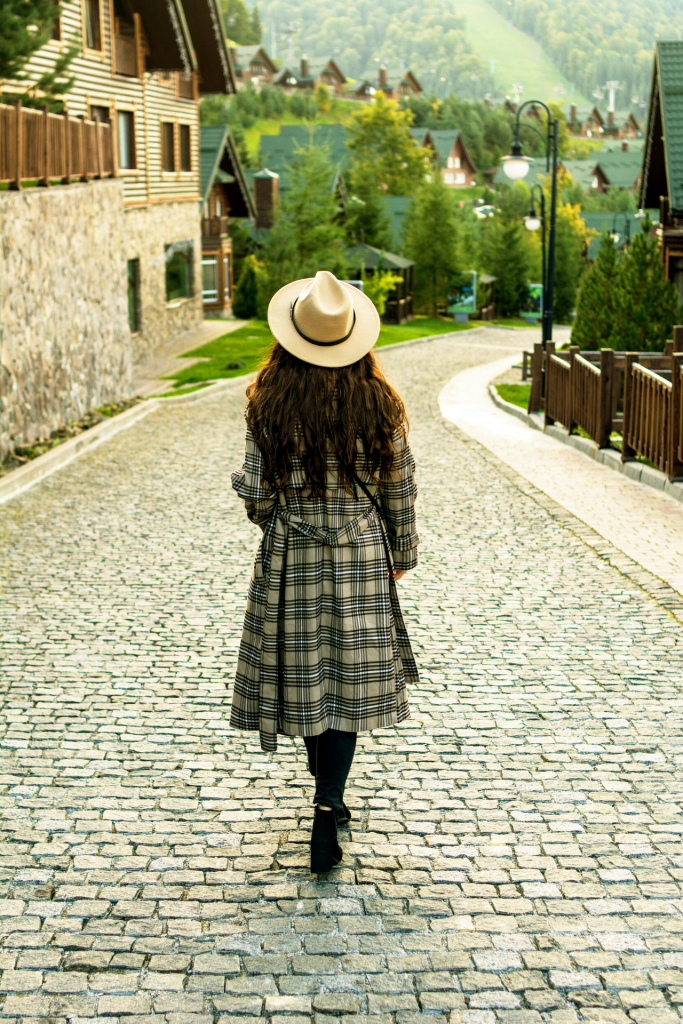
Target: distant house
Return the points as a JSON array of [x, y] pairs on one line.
[[405, 85], [618, 168], [320, 72], [662, 181], [451, 156], [253, 63], [225, 194], [286, 79], [399, 307], [594, 122]]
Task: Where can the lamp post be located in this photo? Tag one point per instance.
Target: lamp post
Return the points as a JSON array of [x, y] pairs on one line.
[[533, 222], [516, 166], [615, 233]]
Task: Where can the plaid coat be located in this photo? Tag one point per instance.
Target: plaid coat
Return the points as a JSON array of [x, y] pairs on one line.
[[324, 644]]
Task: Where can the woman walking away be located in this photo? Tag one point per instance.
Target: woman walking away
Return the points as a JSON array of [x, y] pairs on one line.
[[328, 476]]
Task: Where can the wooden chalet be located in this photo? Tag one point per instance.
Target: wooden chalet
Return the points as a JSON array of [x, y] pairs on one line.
[[225, 194], [252, 63], [399, 306], [323, 72], [406, 85], [662, 178], [450, 155], [594, 123], [141, 68]]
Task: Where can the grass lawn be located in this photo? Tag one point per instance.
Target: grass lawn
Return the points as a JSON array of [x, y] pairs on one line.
[[242, 351], [515, 394]]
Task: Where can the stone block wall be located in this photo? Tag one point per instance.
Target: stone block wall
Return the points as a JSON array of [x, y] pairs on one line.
[[65, 344], [148, 230]]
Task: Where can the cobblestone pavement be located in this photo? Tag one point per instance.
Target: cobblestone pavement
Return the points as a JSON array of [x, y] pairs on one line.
[[515, 850]]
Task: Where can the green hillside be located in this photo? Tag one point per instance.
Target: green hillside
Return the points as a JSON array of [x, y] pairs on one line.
[[519, 58]]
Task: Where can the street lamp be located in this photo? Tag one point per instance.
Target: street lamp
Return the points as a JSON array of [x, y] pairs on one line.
[[516, 166], [533, 222], [615, 233]]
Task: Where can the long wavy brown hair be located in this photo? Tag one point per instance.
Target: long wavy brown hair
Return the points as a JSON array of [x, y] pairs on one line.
[[321, 414]]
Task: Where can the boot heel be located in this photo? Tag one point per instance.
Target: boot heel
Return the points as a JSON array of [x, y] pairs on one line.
[[325, 850]]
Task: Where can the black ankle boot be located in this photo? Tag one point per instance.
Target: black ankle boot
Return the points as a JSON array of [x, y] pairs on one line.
[[325, 850], [343, 816]]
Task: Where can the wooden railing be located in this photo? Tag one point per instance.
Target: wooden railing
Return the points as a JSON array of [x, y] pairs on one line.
[[36, 145], [636, 394]]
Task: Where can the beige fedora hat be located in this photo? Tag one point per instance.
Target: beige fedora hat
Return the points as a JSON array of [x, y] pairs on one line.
[[324, 321]]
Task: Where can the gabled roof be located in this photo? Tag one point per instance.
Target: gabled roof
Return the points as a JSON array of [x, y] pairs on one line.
[[443, 140], [205, 22], [219, 161], [620, 169], [245, 54], [285, 73], [606, 222], [168, 35], [369, 257], [409, 77], [316, 68], [581, 171], [663, 157], [419, 134]]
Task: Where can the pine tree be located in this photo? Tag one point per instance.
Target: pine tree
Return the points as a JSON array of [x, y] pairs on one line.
[[431, 239], [307, 235], [365, 216], [245, 301], [646, 302], [25, 26], [255, 24], [595, 322], [507, 256]]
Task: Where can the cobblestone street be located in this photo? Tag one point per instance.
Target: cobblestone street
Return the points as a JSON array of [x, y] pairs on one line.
[[515, 851]]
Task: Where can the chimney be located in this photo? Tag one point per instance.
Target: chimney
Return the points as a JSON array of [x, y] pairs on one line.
[[610, 119], [382, 77], [572, 113], [304, 66], [624, 147], [266, 197]]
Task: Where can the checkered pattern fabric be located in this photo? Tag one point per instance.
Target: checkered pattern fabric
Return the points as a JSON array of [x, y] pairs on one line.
[[324, 644]]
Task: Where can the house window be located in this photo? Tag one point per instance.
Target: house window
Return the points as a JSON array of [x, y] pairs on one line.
[[167, 146], [210, 278], [226, 268], [448, 178], [93, 33], [185, 148], [57, 29], [100, 114], [178, 257], [456, 161], [460, 179], [594, 181], [134, 311], [126, 135], [449, 162]]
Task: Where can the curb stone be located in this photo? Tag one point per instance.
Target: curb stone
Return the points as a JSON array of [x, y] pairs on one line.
[[606, 456], [20, 479]]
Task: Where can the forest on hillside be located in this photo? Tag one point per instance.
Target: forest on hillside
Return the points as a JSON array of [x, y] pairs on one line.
[[606, 40], [427, 37]]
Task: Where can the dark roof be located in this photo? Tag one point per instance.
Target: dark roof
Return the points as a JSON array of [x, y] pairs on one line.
[[167, 34], [245, 54], [205, 22], [663, 157], [278, 151], [370, 258], [444, 139], [219, 162]]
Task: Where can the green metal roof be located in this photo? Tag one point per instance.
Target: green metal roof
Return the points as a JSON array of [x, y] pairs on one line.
[[663, 156], [369, 257], [219, 162], [606, 222], [444, 139], [278, 151], [620, 169]]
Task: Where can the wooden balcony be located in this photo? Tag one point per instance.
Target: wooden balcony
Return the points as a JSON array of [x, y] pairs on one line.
[[125, 56], [215, 227]]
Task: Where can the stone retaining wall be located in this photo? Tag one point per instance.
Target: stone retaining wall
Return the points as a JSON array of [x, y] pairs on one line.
[[65, 344]]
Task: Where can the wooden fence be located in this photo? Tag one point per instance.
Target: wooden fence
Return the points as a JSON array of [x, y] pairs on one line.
[[41, 147], [636, 394]]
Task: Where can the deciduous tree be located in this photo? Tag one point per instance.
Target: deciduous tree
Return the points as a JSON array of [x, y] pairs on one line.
[[381, 145]]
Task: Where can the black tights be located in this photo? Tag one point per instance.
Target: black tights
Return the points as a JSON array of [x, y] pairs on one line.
[[329, 761]]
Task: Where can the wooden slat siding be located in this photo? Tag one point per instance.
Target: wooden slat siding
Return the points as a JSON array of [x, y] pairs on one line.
[[96, 83], [536, 392]]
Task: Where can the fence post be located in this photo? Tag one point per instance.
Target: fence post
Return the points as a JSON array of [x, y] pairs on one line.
[[15, 185], [675, 440], [627, 452], [45, 177], [66, 180], [606, 384], [678, 339], [549, 353], [573, 352], [535, 395], [84, 149]]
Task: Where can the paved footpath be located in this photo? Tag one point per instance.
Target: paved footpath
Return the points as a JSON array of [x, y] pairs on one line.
[[515, 854]]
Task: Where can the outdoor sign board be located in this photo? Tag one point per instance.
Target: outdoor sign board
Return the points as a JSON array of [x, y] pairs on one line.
[[532, 307], [462, 295]]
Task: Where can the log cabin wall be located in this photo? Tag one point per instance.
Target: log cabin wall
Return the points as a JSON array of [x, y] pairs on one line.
[[159, 114]]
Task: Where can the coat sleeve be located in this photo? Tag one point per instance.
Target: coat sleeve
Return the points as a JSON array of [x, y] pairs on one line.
[[251, 487], [397, 495]]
